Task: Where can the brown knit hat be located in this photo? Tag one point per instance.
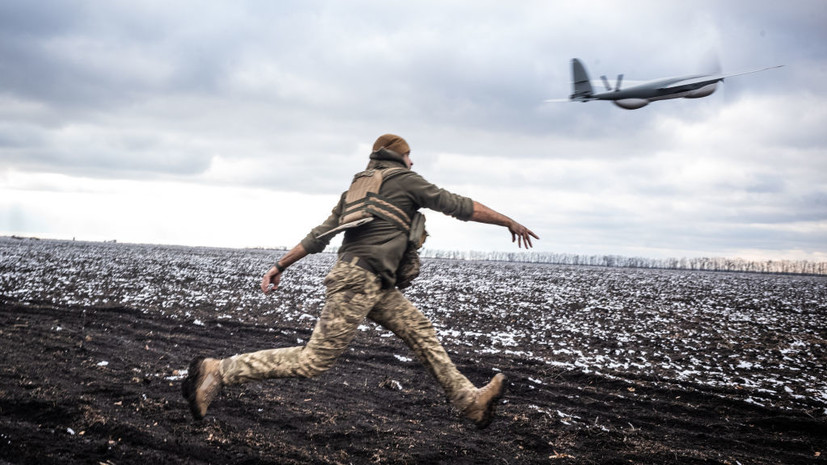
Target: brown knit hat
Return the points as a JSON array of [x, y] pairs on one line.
[[392, 142]]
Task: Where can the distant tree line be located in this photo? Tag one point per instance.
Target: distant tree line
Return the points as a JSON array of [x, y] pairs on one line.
[[699, 263]]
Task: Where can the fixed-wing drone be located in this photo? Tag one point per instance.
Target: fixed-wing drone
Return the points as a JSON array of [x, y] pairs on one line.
[[640, 95]]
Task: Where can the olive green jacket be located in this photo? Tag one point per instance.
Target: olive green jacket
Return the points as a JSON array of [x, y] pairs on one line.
[[379, 242]]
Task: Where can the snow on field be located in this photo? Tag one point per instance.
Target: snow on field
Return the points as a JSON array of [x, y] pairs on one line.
[[763, 335]]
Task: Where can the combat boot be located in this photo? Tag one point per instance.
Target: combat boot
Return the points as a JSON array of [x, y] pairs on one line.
[[481, 410], [202, 385]]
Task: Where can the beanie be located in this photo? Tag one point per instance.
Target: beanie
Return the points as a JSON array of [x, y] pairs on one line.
[[391, 142]]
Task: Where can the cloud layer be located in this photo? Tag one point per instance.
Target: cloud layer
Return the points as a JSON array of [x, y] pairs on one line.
[[193, 122]]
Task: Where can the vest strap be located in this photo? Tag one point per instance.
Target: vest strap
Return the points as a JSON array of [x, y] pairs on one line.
[[363, 202]]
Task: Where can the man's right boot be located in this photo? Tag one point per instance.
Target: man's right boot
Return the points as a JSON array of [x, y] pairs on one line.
[[481, 410], [202, 384]]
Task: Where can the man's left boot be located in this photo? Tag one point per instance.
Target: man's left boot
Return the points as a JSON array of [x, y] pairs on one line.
[[202, 384]]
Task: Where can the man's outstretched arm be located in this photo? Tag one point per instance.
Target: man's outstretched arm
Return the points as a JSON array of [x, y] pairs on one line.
[[273, 275], [519, 233]]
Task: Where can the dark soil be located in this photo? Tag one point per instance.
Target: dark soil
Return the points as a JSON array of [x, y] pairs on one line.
[[60, 403]]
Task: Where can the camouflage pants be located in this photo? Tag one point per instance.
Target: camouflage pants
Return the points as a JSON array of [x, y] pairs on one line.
[[353, 294]]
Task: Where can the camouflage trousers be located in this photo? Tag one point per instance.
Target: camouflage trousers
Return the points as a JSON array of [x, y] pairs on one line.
[[352, 295]]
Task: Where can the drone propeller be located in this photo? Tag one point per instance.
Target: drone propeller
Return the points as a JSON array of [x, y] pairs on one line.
[[606, 83]]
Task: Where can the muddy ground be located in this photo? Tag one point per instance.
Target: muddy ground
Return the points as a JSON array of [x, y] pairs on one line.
[[100, 383], [60, 404]]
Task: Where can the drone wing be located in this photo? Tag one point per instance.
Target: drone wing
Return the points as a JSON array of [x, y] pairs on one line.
[[700, 81]]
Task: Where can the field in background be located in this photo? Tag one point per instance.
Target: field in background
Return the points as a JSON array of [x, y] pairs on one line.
[[608, 364]]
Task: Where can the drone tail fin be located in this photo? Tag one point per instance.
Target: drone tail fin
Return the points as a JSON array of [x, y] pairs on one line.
[[580, 80]]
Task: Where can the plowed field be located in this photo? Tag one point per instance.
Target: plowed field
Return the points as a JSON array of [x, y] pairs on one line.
[[606, 365]]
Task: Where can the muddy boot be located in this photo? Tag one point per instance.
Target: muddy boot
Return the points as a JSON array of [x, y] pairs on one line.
[[201, 385], [481, 410]]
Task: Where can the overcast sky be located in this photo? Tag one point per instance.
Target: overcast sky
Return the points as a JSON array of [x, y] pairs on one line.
[[240, 123]]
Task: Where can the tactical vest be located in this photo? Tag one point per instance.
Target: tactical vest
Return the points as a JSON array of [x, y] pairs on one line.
[[363, 202]]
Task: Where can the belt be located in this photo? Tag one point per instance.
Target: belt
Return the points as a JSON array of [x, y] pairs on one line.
[[358, 261]]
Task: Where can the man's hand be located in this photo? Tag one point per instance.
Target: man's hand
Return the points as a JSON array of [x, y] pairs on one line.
[[271, 278], [521, 234]]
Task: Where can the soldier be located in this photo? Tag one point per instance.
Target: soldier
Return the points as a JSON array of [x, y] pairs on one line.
[[380, 217]]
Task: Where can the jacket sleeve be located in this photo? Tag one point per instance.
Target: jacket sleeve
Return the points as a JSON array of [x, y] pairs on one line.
[[311, 242], [428, 195]]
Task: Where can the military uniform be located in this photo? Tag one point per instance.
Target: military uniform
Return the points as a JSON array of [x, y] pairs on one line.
[[362, 285]]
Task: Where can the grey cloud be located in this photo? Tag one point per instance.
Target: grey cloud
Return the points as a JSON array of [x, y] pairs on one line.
[[299, 90], [28, 19]]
